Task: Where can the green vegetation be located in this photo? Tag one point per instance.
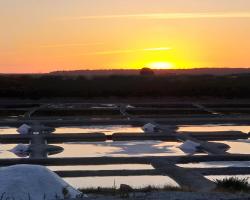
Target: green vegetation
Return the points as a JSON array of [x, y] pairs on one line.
[[233, 184]]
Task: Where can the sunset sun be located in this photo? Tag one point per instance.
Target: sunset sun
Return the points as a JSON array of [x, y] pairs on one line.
[[161, 65], [124, 99]]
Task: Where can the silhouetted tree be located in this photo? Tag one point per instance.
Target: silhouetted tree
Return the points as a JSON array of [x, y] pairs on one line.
[[145, 71]]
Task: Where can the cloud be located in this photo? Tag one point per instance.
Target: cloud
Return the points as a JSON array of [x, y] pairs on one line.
[[124, 51], [69, 45], [164, 16], [110, 52]]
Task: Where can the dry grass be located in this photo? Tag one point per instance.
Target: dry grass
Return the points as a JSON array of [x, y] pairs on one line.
[[233, 184], [116, 191]]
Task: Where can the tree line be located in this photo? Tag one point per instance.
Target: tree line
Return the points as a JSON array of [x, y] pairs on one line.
[[48, 86]]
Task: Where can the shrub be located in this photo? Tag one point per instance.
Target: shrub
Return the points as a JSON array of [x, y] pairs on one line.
[[233, 184]]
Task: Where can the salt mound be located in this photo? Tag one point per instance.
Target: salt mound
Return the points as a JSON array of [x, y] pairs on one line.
[[33, 182], [150, 128], [24, 129], [189, 146]]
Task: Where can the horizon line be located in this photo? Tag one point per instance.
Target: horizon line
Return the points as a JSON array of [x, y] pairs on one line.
[[128, 69]]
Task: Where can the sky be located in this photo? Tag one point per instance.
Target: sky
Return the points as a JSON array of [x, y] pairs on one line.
[[39, 36]]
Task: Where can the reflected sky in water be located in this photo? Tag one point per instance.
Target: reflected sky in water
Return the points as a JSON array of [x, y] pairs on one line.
[[8, 130], [134, 181], [124, 149], [129, 149], [102, 167], [108, 130], [239, 146], [217, 164], [214, 128], [4, 151]]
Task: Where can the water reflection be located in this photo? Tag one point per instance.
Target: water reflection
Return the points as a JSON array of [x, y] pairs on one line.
[[217, 164], [126, 149], [102, 167], [108, 130], [8, 130], [134, 181], [132, 148], [214, 128], [5, 151], [239, 146]]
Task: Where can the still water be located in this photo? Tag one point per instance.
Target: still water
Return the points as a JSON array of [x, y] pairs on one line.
[[213, 128], [110, 129], [132, 148], [134, 181], [120, 149], [115, 181]]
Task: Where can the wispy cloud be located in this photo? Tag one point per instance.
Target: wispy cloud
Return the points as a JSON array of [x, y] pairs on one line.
[[125, 51], [110, 52], [164, 16], [69, 45]]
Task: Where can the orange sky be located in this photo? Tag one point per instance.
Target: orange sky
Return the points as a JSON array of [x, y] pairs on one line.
[[46, 35]]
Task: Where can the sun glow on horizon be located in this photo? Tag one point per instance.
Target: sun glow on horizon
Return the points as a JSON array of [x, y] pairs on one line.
[[161, 65], [47, 36]]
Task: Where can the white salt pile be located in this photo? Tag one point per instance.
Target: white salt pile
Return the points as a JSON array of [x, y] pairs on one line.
[[33, 182], [24, 129], [36, 128], [150, 128], [189, 147], [129, 106]]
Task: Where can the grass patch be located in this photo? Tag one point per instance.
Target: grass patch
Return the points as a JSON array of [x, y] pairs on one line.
[[118, 191], [233, 184]]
